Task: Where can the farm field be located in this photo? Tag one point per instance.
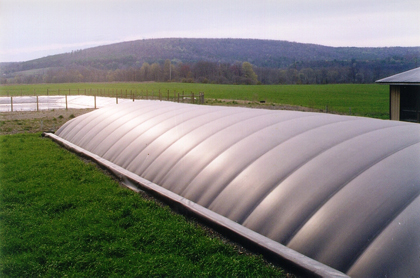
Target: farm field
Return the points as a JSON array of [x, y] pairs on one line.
[[61, 216], [369, 100]]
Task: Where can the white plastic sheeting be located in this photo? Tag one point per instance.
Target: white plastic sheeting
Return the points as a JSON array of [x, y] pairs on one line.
[[29, 103], [341, 190]]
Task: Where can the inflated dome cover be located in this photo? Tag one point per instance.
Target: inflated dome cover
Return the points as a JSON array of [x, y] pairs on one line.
[[342, 190]]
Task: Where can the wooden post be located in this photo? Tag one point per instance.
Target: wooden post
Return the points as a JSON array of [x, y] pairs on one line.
[[192, 97], [178, 97], [37, 104], [94, 100], [132, 95], [66, 103], [11, 104], [116, 99]]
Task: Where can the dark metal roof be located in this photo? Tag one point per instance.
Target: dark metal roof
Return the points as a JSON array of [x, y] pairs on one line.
[[342, 190], [410, 77]]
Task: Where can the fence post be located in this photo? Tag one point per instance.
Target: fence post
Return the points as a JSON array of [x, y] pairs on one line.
[[192, 97], [66, 103], [11, 104], [94, 99], [178, 97], [37, 104], [132, 95], [116, 98]]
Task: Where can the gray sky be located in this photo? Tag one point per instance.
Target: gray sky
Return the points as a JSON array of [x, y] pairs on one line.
[[32, 29]]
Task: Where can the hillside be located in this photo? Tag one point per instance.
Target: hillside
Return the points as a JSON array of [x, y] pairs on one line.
[[262, 54]]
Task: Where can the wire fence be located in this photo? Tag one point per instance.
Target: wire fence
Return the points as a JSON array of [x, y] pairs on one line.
[[88, 98]]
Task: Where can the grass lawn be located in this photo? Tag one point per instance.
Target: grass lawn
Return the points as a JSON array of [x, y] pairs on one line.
[[61, 216], [369, 100]]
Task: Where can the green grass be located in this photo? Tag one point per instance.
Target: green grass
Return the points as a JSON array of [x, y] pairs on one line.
[[370, 100], [60, 216]]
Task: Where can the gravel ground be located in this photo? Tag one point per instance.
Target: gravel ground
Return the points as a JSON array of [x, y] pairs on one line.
[[33, 121]]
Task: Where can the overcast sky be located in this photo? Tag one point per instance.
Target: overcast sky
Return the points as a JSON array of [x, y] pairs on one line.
[[32, 29]]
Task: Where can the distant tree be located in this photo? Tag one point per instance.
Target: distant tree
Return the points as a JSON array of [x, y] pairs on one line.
[[145, 72], [110, 76], [307, 76], [155, 72], [282, 76], [184, 71], [167, 71], [292, 76], [204, 69], [332, 76], [360, 78], [248, 73]]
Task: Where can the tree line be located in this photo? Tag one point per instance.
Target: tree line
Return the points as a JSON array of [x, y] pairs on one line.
[[313, 72]]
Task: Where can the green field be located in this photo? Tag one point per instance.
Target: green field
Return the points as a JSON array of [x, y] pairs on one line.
[[370, 100], [60, 216]]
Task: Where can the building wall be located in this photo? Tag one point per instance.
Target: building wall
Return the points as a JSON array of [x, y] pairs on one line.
[[394, 102]]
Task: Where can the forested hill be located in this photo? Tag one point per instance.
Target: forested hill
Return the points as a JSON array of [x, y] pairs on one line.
[[262, 54]]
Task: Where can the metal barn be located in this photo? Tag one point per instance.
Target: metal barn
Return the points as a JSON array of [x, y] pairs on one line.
[[335, 195], [404, 95]]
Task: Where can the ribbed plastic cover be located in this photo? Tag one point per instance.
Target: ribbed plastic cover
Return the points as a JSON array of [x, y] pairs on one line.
[[342, 190]]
